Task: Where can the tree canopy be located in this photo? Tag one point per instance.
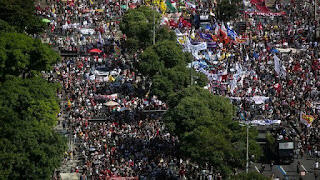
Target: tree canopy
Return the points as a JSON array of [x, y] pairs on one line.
[[164, 33], [29, 148], [249, 176], [163, 55], [6, 27], [227, 10], [31, 99], [20, 54], [208, 134], [137, 24], [20, 14], [165, 63]]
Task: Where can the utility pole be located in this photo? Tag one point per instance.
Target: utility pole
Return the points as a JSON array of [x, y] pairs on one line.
[[247, 159], [120, 8], [127, 5], [154, 25], [191, 67], [315, 10], [191, 77]]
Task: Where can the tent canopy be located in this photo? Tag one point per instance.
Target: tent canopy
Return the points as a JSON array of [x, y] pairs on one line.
[[95, 50], [46, 20], [111, 103]]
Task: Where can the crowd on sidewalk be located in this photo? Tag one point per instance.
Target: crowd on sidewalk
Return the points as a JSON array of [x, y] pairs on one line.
[[259, 78]]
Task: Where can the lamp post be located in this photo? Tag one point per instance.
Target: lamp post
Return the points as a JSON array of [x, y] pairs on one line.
[[315, 9], [247, 151], [154, 25], [247, 158]]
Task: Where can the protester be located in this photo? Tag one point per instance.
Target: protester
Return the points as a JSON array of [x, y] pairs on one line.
[[270, 72]]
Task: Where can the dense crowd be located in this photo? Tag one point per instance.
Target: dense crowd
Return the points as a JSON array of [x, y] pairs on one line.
[[132, 143], [247, 74]]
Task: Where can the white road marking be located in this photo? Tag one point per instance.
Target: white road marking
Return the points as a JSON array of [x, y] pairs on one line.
[[304, 168], [284, 172], [257, 169]]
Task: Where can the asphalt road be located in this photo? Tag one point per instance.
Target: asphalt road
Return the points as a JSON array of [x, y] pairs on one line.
[[289, 170]]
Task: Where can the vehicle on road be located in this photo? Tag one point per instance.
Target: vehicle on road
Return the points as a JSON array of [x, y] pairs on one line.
[[281, 150]]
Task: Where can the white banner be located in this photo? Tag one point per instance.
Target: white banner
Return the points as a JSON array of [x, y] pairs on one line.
[[264, 122], [259, 99], [279, 67], [199, 47], [286, 145], [86, 31], [101, 73]]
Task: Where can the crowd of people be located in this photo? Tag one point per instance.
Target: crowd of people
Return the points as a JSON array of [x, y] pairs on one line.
[[274, 75], [107, 97]]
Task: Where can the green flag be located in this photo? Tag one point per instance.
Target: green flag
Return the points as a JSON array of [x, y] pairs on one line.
[[170, 6]]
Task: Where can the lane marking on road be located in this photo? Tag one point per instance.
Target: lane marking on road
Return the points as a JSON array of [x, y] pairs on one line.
[[257, 169], [304, 168], [282, 170]]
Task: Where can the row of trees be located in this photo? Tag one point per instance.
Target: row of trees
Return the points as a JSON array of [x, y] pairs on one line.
[[29, 147], [203, 122]]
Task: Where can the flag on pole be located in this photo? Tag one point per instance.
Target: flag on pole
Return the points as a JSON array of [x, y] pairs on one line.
[[157, 2], [306, 119], [223, 28], [117, 50], [163, 7], [170, 6], [232, 33], [279, 67], [216, 29]]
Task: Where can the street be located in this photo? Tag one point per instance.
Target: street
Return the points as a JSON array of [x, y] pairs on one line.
[[290, 170]]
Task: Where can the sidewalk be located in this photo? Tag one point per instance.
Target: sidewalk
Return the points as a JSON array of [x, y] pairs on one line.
[[67, 168]]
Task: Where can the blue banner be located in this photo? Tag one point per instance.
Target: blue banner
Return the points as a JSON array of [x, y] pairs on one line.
[[232, 34], [206, 36]]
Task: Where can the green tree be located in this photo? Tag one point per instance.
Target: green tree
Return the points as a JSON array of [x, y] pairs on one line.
[[32, 99], [249, 176], [137, 24], [21, 54], [29, 150], [164, 54], [207, 131], [195, 106], [165, 63], [170, 53], [161, 86], [174, 80], [227, 10], [6, 27], [164, 33], [29, 147], [21, 14], [150, 63]]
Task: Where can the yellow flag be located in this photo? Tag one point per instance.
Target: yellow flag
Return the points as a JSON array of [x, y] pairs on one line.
[[91, 2], [147, 94], [163, 7], [157, 2], [223, 56], [53, 10], [111, 78]]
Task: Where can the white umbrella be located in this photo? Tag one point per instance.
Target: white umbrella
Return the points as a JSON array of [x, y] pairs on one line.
[[111, 103]]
